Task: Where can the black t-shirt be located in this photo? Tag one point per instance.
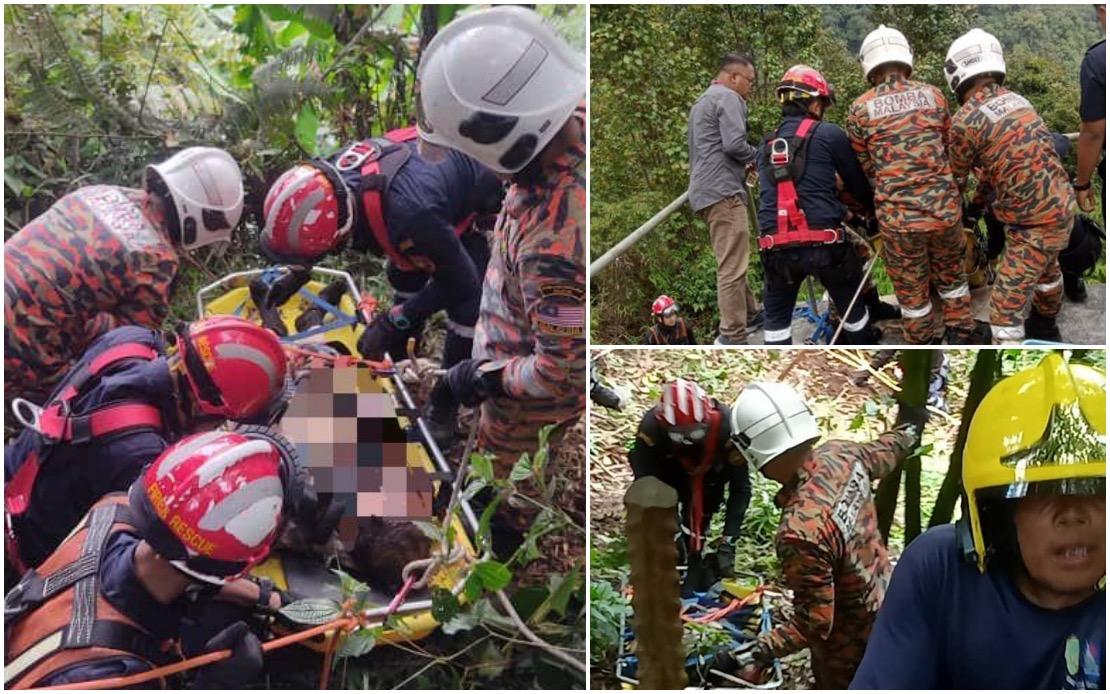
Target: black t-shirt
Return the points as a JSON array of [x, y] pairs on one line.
[[1092, 84]]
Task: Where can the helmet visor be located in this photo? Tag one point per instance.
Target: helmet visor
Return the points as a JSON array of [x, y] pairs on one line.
[[1068, 441]]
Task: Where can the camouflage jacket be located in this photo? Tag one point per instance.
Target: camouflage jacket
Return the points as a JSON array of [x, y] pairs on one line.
[[93, 261], [533, 315], [999, 134], [830, 548], [899, 131]]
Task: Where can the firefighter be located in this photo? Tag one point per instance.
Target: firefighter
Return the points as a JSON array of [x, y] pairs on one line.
[[667, 327], [110, 600], [898, 129], [684, 441], [1013, 595], [380, 196], [828, 540], [800, 212], [528, 368], [117, 409], [999, 134], [104, 256]]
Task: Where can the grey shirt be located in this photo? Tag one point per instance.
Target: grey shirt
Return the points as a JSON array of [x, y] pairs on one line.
[[717, 133]]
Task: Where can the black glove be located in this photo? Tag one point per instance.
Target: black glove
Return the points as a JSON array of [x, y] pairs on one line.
[[469, 386], [972, 214], [726, 557], [243, 667], [383, 331]]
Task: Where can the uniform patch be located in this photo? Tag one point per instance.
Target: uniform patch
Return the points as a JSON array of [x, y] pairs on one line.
[[1001, 106], [851, 499], [897, 103], [562, 309], [121, 216]]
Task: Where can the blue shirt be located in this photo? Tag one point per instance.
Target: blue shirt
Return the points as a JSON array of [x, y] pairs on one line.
[[75, 476], [829, 153], [944, 625]]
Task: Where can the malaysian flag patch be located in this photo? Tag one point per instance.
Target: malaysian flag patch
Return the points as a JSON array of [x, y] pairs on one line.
[[563, 309]]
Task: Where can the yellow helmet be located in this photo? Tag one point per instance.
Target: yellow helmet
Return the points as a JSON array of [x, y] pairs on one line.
[[1039, 431]]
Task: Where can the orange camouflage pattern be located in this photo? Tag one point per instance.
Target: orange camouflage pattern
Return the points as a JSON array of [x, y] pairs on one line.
[[916, 261], [532, 322], [998, 134], [899, 130], [833, 556], [94, 261]]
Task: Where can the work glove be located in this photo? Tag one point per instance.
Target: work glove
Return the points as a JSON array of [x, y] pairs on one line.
[[243, 667], [726, 557], [912, 418], [385, 329], [469, 385]]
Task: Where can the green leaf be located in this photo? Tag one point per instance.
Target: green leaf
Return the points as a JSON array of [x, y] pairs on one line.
[[444, 605], [350, 585], [562, 587], [13, 183], [307, 125], [493, 574], [432, 531], [857, 422], [522, 468], [485, 519], [291, 32], [357, 644], [472, 587], [460, 623], [312, 611], [481, 466]]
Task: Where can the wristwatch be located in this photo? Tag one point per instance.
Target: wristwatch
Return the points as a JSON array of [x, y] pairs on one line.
[[1082, 186]]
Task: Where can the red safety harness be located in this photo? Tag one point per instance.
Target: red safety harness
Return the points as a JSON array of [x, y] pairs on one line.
[[376, 161], [697, 471], [58, 425], [787, 157]]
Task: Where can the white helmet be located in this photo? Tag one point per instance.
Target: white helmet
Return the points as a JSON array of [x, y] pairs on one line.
[[498, 85], [207, 190], [973, 54], [768, 419], [882, 46]]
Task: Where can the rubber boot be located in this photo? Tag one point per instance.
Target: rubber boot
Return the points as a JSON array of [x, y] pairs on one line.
[[879, 309], [979, 335], [1075, 289], [1041, 327]]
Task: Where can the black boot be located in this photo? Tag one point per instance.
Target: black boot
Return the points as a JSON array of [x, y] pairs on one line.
[[1041, 327], [440, 415], [979, 335], [1075, 289], [879, 309]]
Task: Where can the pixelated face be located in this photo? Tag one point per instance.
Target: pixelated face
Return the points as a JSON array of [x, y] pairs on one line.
[[347, 433], [1062, 540]]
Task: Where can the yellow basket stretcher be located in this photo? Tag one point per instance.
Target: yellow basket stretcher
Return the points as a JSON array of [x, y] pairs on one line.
[[341, 329]]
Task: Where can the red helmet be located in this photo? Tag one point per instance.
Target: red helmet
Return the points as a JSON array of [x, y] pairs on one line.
[[308, 213], [211, 503], [684, 411], [234, 368], [803, 82], [663, 305]]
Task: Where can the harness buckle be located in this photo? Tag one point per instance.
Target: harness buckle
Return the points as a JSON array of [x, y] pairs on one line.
[[354, 157], [780, 152]]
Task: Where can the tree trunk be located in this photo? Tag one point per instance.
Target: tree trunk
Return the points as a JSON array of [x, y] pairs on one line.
[[917, 368], [983, 376]]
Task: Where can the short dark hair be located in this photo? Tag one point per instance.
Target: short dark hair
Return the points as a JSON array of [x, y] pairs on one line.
[[735, 59]]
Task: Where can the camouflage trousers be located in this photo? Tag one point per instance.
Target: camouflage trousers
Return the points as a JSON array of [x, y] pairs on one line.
[[914, 261], [1029, 269]]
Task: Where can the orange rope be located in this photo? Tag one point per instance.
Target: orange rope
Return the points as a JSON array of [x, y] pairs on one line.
[[385, 365]]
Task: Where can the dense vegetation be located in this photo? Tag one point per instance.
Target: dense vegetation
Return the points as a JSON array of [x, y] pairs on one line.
[[650, 62]]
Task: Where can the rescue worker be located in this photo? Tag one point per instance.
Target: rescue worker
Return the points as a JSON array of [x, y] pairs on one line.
[[382, 197], [801, 214], [110, 600], [667, 327], [116, 411], [528, 368], [828, 541], [717, 141], [1013, 595], [684, 442], [605, 395], [104, 256], [1092, 113], [999, 134], [898, 129]]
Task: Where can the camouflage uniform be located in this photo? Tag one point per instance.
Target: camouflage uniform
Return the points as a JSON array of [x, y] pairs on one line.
[[533, 315], [91, 262], [998, 133], [833, 556], [899, 131]]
